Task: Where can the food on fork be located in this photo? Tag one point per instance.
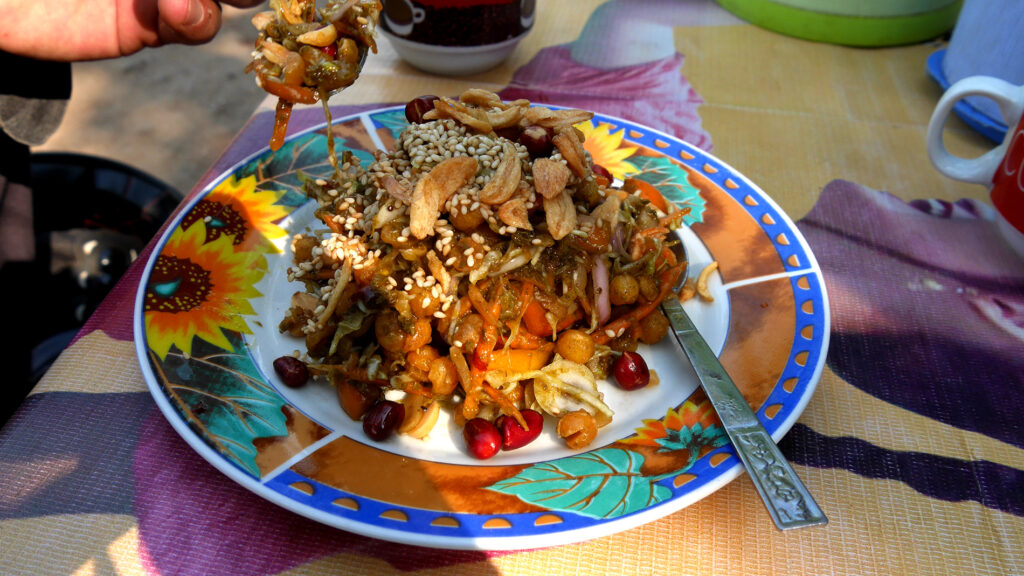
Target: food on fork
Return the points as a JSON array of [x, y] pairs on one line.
[[304, 54], [484, 267]]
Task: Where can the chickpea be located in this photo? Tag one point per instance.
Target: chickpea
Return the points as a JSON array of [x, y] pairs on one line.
[[364, 274], [462, 260], [422, 302], [578, 429], [348, 51], [420, 336], [653, 327], [302, 247], [575, 346], [624, 290], [466, 222], [625, 343], [390, 232], [389, 332], [649, 288], [422, 358], [442, 375], [469, 330]]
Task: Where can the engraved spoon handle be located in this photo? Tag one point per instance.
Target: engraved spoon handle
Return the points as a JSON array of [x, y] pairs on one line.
[[787, 499]]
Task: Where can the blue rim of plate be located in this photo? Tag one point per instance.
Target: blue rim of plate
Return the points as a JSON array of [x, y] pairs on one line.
[[523, 531], [992, 128]]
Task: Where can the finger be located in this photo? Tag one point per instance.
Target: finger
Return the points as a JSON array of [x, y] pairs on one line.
[[187, 21]]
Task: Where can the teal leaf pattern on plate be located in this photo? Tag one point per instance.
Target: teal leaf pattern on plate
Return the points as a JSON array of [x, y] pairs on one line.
[[671, 180], [692, 438], [394, 121], [605, 483], [305, 155], [223, 396]]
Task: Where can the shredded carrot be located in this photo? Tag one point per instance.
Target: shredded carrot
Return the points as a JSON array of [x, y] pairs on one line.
[[506, 405], [647, 191], [656, 231], [524, 340], [668, 220], [482, 306]]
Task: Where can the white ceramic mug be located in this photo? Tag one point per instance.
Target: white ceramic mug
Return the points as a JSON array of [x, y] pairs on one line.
[[1000, 169]]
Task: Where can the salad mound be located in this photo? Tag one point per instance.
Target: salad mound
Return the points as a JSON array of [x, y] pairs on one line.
[[485, 267]]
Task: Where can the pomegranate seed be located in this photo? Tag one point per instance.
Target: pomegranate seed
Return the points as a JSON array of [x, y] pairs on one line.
[[602, 171], [417, 107], [630, 371], [482, 438], [293, 372], [382, 419], [513, 435]]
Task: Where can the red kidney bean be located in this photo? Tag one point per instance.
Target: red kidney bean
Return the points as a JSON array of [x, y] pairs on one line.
[[382, 419], [417, 107], [537, 140], [292, 371]]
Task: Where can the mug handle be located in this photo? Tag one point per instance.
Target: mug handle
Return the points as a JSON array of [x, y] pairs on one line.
[[978, 170]]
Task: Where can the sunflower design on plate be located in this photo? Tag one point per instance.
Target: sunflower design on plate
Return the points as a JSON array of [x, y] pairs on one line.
[[199, 288], [607, 150], [238, 209]]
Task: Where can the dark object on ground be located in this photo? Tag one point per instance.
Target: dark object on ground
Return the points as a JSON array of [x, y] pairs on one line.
[[92, 219]]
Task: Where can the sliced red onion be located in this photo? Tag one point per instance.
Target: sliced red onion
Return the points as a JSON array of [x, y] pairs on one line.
[[617, 238]]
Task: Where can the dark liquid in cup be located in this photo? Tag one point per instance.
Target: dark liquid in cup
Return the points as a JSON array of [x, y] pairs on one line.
[[462, 23]]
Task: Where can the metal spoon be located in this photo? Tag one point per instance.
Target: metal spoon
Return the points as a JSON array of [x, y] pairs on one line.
[[787, 499]]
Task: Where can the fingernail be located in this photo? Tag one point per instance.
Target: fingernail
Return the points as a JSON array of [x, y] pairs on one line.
[[196, 12]]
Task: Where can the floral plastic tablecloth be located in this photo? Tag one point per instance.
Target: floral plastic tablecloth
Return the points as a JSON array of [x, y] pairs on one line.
[[912, 443]]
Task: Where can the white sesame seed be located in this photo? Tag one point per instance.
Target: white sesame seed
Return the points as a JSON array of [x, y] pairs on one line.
[[609, 333]]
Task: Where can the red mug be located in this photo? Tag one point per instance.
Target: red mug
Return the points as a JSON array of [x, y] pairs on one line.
[[1002, 168]]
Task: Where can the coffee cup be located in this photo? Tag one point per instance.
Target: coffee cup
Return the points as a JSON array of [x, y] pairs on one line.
[[456, 37], [1000, 169]]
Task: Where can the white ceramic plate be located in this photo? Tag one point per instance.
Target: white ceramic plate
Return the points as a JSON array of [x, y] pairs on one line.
[[214, 291]]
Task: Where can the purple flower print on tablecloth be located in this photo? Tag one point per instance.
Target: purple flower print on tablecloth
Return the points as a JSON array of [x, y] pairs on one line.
[[927, 306], [654, 94], [193, 520]]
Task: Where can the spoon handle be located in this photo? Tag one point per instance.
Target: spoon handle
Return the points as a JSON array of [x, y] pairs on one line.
[[787, 499]]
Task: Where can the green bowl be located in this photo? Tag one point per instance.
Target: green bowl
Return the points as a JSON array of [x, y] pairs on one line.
[[867, 23]]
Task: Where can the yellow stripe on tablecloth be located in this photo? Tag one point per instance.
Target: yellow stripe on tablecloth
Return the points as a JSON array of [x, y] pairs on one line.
[[840, 409], [78, 544], [95, 363], [878, 527]]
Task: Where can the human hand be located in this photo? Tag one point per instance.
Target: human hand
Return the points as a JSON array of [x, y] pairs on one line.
[[96, 29]]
